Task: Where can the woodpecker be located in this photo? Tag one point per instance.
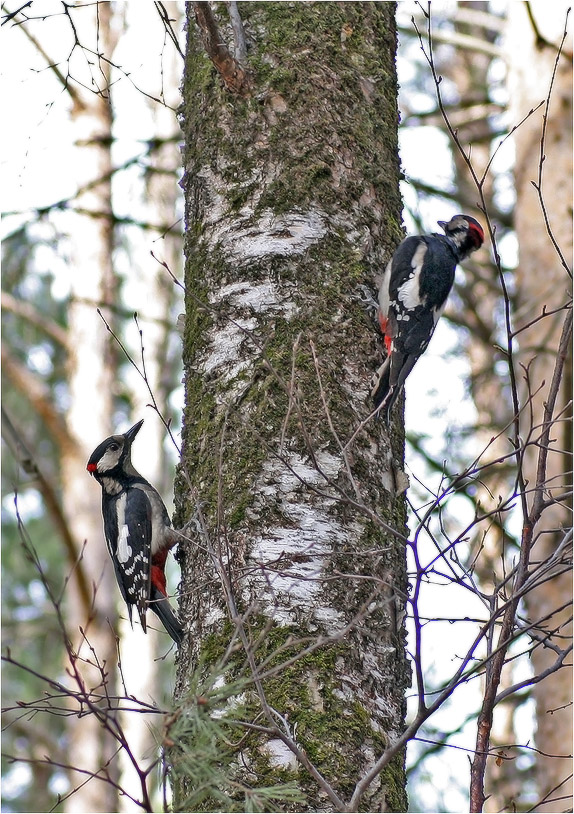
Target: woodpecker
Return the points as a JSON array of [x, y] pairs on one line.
[[412, 297], [137, 530]]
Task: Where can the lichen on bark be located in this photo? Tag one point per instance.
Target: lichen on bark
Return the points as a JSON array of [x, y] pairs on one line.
[[291, 202]]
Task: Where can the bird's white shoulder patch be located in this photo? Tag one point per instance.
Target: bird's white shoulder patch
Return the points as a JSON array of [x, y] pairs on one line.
[[408, 293], [384, 290], [124, 551]]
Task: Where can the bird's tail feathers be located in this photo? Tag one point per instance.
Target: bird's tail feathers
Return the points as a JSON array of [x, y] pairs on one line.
[[389, 380], [380, 382], [159, 603], [141, 609]]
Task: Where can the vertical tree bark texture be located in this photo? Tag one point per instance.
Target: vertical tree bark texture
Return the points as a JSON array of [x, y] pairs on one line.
[[292, 201], [542, 282]]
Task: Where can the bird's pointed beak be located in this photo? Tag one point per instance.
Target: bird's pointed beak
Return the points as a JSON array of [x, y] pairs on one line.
[[133, 431], [442, 224]]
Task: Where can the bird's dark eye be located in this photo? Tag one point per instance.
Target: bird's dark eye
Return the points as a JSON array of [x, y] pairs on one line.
[[113, 447]]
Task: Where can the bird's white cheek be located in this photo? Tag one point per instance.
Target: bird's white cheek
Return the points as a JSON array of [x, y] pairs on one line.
[[108, 461]]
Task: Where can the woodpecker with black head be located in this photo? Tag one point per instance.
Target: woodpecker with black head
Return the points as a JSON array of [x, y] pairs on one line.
[[137, 529], [412, 297]]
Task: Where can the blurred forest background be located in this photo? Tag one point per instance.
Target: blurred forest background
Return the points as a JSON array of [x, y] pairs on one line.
[[92, 248]]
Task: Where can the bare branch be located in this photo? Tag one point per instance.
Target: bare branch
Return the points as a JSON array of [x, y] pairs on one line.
[[17, 444], [166, 20], [538, 185], [31, 314], [39, 396], [238, 33], [233, 75], [63, 80]]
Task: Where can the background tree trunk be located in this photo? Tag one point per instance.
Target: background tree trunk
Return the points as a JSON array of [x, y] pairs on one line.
[[542, 282], [479, 303], [75, 399], [91, 375], [291, 201], [153, 299]]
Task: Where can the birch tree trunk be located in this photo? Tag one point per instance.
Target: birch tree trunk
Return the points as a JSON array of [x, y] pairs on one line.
[[542, 283], [91, 366], [292, 201]]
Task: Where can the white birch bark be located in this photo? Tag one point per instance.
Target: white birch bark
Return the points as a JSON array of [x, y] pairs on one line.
[[285, 215]]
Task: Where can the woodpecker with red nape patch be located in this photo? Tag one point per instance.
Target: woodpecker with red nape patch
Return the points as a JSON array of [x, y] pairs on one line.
[[412, 297], [137, 529]]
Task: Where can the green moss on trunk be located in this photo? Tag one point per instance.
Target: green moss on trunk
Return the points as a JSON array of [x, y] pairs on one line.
[[283, 378]]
